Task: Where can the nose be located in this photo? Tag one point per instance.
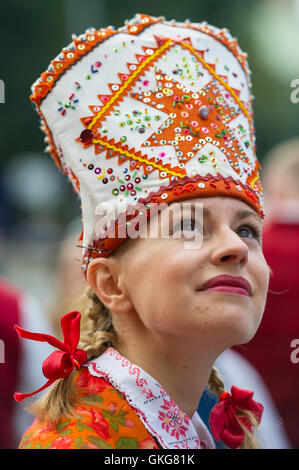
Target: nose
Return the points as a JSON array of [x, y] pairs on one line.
[[229, 248]]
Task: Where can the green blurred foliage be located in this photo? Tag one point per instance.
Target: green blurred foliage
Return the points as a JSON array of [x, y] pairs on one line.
[[32, 33]]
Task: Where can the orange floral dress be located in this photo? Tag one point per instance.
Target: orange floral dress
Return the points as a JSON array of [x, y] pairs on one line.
[[104, 421]]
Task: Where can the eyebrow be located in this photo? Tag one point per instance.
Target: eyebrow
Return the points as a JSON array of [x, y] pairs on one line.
[[239, 215]]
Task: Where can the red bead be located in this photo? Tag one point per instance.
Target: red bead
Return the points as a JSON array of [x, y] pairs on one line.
[[86, 136]]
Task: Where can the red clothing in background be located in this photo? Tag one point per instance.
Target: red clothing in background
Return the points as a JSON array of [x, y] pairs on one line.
[[270, 350], [9, 315]]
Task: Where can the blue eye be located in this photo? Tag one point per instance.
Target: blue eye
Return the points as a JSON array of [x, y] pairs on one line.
[[252, 230], [255, 232], [185, 224]]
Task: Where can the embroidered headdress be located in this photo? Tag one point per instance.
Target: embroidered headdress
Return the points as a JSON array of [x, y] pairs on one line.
[[155, 111]]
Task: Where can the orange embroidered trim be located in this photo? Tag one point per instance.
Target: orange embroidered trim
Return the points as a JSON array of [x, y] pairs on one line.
[[220, 36], [134, 76], [141, 160], [150, 59], [187, 147], [81, 47], [212, 72]]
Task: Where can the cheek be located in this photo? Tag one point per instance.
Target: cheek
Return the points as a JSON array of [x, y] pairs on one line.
[[147, 282], [160, 286], [260, 276], [263, 277], [174, 274]]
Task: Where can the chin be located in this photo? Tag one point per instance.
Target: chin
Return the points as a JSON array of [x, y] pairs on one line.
[[239, 325]]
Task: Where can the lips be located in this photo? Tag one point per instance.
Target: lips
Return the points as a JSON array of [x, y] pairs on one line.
[[226, 280]]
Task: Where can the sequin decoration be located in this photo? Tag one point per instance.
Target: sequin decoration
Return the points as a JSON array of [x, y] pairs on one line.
[[187, 109], [69, 104]]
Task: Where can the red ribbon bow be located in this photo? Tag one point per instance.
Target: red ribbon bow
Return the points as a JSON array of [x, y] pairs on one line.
[[60, 363], [223, 423]]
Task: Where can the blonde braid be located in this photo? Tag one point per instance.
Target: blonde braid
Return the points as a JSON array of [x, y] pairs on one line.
[[215, 382], [97, 334], [97, 331], [217, 387]]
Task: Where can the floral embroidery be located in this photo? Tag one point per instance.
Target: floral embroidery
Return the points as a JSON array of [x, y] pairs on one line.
[[173, 420]]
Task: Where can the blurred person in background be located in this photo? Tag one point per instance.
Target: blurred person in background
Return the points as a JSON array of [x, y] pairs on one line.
[[271, 351], [20, 362]]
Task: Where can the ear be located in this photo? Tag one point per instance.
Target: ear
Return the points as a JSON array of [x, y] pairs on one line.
[[103, 276]]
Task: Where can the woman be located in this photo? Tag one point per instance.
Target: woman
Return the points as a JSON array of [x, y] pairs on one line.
[[174, 98]]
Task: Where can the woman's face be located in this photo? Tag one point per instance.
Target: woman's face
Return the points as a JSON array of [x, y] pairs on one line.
[[163, 276]]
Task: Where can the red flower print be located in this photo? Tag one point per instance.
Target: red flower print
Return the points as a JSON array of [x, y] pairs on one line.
[[95, 419], [111, 407], [128, 423], [62, 442], [42, 433], [89, 383], [173, 419], [88, 445], [148, 443]]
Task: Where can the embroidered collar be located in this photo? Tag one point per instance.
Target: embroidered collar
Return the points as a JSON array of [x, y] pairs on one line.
[[159, 413]]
